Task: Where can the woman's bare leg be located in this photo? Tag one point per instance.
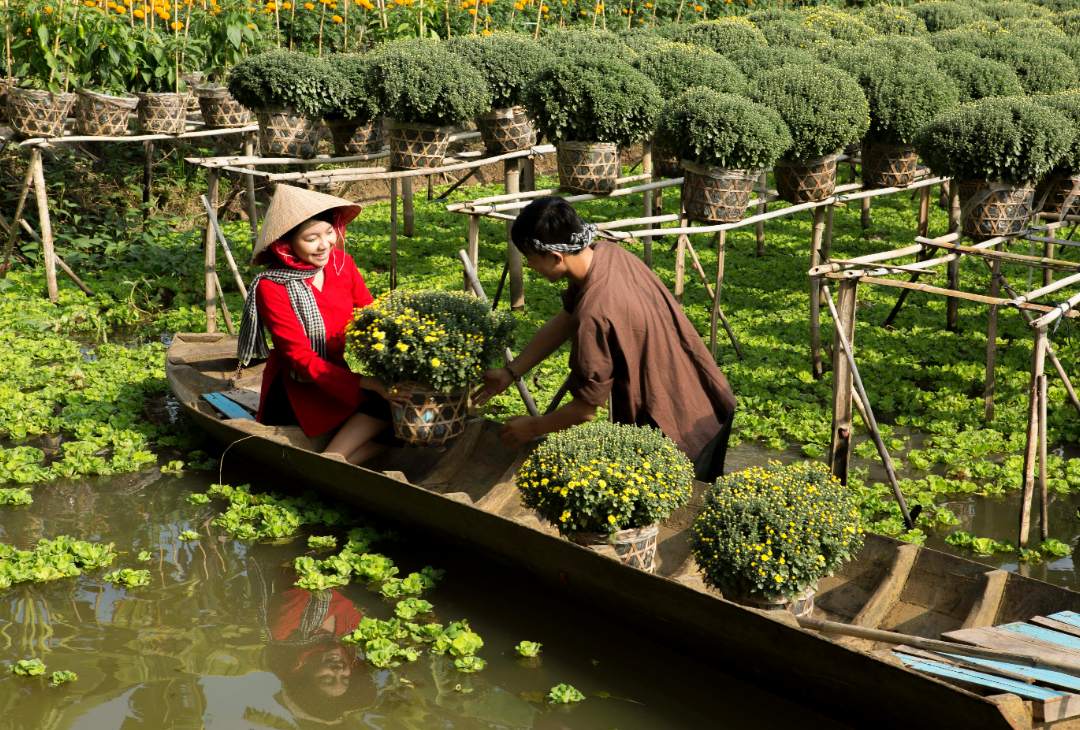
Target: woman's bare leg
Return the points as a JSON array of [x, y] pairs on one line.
[[365, 452], [353, 435]]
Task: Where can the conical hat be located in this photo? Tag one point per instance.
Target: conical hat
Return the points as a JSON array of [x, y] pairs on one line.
[[291, 206]]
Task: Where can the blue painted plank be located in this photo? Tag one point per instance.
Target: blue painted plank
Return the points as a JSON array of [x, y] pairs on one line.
[[230, 408], [1067, 617], [982, 679], [1041, 633], [1039, 675]]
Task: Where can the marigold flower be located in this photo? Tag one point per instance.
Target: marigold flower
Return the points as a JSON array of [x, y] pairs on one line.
[[309, 6], [176, 25], [138, 13], [48, 10], [335, 19]]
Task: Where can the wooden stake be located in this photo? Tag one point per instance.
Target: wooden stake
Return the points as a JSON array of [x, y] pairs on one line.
[[721, 241], [680, 265], [864, 218], [952, 312], [210, 253], [393, 232], [1032, 449], [45, 223], [249, 182], [472, 241], [211, 217], [991, 343], [923, 224], [818, 232], [763, 206], [647, 201], [60, 263], [840, 450], [9, 245], [409, 229], [224, 306], [1044, 500], [148, 175], [512, 185], [709, 292]]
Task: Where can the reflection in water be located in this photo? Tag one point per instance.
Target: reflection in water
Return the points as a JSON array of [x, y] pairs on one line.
[[221, 639]]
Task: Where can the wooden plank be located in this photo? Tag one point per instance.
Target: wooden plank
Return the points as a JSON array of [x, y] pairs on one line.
[[249, 399], [1057, 708], [981, 679], [1041, 633], [227, 407], [1014, 642], [889, 589], [985, 609], [1033, 674], [962, 660], [1067, 617], [1055, 625]]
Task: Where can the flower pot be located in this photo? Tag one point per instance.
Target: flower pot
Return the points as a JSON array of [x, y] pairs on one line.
[[34, 113], [425, 417], [665, 165], [352, 137], [588, 167], [989, 209], [162, 113], [191, 80], [715, 194], [103, 115], [506, 130], [1060, 195], [806, 181], [800, 606], [888, 165], [284, 133], [414, 146], [635, 547], [220, 110]]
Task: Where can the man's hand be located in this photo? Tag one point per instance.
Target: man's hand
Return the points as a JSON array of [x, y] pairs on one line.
[[519, 431], [495, 382]]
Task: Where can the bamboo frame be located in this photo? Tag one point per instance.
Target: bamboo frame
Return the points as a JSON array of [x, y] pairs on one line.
[[872, 270]]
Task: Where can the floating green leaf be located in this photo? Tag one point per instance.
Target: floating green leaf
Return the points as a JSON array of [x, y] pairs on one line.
[[28, 667], [528, 649], [564, 694]]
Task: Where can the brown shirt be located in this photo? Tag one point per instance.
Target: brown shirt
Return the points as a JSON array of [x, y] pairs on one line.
[[635, 343]]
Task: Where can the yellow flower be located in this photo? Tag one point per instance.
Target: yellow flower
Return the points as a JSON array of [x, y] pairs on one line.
[[176, 25], [435, 362], [402, 347], [564, 516], [611, 519], [48, 10], [335, 19], [138, 13], [252, 26], [378, 347], [309, 6]]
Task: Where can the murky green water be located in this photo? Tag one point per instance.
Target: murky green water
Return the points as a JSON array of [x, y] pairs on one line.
[[221, 638]]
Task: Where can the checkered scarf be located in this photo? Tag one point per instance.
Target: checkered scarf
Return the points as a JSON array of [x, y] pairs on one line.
[[252, 342]]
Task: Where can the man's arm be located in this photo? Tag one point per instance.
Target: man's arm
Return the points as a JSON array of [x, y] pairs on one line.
[[521, 430], [547, 340]]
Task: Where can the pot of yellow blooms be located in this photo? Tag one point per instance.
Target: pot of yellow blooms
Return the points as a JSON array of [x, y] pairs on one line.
[[769, 533], [429, 347], [607, 486]]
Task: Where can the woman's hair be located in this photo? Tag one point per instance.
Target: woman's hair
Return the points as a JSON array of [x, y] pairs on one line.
[[327, 216], [548, 220]]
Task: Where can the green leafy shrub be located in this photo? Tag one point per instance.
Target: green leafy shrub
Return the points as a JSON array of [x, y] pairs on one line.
[[1069, 21], [947, 15], [836, 23], [421, 82], [675, 67], [791, 33], [978, 40], [775, 530], [722, 130], [1007, 139], [597, 100], [570, 44], [1042, 69], [1007, 9], [912, 52], [1068, 104], [824, 108], [442, 339], [506, 60], [730, 33], [755, 61], [976, 77], [641, 40], [359, 99], [892, 20], [605, 477], [1042, 30], [288, 79], [901, 101]]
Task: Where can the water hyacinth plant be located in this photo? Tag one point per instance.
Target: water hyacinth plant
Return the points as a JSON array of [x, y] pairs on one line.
[[775, 530], [441, 339], [604, 477]]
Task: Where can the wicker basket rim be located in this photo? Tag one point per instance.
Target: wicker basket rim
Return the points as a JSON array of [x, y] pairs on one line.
[[630, 534], [503, 112], [40, 95], [395, 390], [128, 101], [579, 146], [211, 91], [890, 146], [1000, 184], [398, 124], [809, 161], [719, 172], [353, 122], [162, 95]]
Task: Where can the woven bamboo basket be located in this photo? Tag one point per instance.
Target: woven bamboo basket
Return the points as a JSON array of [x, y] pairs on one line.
[[415, 146], [714, 194], [888, 165], [6, 84], [352, 137], [806, 181], [220, 110], [506, 130], [191, 80], [103, 115], [588, 167], [162, 112], [989, 209], [425, 417], [665, 165], [799, 606], [635, 547], [1060, 195], [284, 133], [34, 113]]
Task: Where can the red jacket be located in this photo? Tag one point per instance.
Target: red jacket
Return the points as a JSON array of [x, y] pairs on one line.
[[327, 392]]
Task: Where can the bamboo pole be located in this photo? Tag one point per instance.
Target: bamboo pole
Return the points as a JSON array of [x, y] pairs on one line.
[[966, 296], [210, 254], [24, 191], [923, 225], [226, 315], [45, 223], [472, 240], [991, 343], [843, 381], [680, 260], [393, 231], [712, 296], [407, 209], [817, 232], [714, 319], [952, 312], [1044, 498], [211, 217], [1032, 448], [60, 263], [512, 184], [763, 207], [508, 355], [249, 189], [647, 201]]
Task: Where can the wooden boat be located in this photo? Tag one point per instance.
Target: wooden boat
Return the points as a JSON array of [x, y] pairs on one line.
[[465, 493]]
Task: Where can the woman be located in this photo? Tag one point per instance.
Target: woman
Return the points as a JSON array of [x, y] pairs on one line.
[[305, 298]]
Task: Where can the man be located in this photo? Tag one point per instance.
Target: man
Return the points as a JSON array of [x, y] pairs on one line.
[[630, 342]]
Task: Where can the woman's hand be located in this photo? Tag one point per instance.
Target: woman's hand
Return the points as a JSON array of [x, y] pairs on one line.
[[495, 381], [375, 385]]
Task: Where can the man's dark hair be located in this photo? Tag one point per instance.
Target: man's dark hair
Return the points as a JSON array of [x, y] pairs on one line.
[[548, 220]]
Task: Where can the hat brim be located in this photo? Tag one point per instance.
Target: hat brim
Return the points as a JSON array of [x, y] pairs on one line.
[[291, 206]]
